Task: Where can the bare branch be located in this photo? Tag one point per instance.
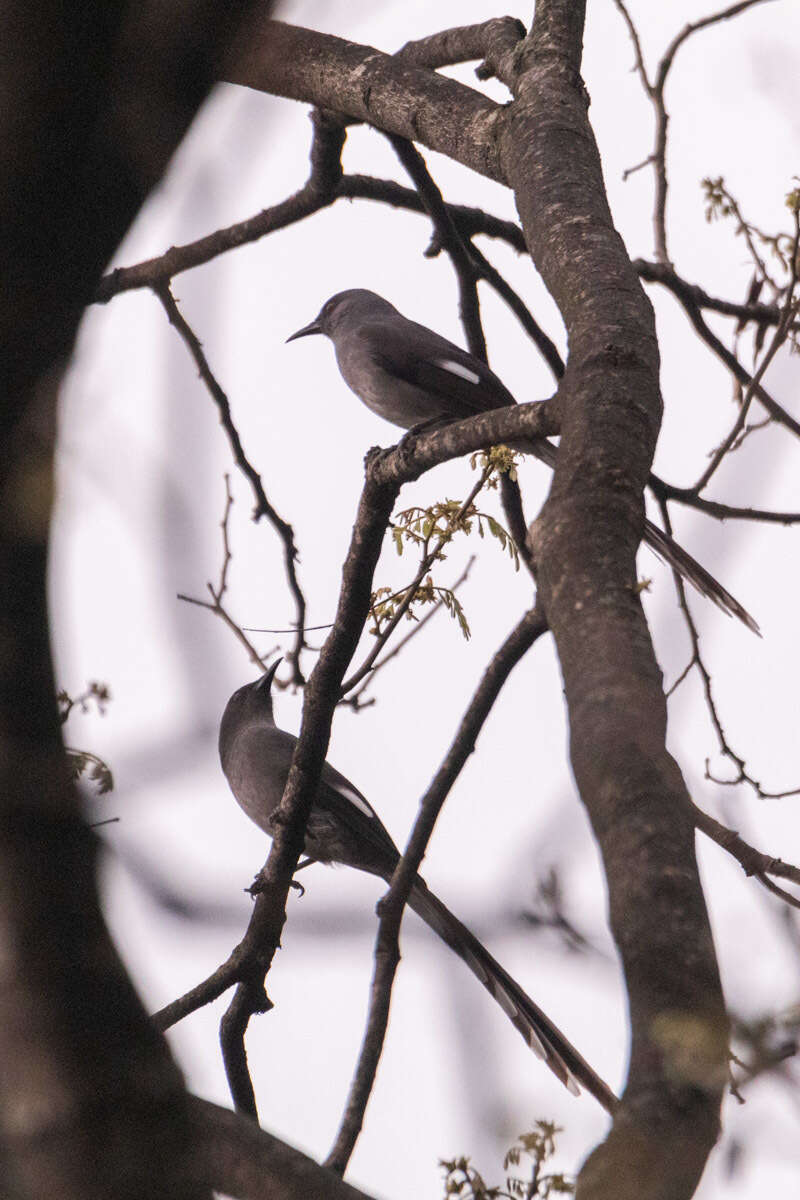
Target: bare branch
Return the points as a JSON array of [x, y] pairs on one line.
[[788, 313], [319, 191], [655, 93], [722, 512], [696, 660], [217, 593], [724, 14], [387, 952], [263, 507], [639, 58], [752, 861], [663, 273]]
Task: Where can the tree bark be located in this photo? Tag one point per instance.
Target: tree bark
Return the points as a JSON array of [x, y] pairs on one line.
[[585, 542]]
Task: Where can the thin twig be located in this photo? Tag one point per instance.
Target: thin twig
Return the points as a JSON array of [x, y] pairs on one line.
[[753, 862], [354, 701], [428, 559], [655, 93], [263, 507], [788, 312], [714, 508], [217, 593], [696, 660]]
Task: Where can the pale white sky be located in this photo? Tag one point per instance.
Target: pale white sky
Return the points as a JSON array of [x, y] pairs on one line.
[[140, 498]]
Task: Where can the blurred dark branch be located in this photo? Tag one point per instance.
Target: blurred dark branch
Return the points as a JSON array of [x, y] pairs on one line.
[[263, 507], [387, 950], [244, 1162]]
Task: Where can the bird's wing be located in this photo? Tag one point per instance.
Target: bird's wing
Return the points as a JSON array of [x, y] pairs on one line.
[[351, 809], [462, 383]]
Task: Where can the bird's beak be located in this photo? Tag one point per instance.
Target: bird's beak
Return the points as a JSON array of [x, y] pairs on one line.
[[314, 327], [265, 682]]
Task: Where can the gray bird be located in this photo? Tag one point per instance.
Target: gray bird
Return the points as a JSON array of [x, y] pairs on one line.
[[343, 827], [411, 376]]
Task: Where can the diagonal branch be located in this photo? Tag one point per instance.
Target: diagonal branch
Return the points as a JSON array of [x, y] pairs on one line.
[[263, 507], [387, 953]]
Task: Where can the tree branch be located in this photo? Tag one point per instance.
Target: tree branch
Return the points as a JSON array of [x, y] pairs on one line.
[[263, 507], [585, 541], [387, 949]]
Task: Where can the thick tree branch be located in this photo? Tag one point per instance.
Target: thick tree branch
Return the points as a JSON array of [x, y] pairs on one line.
[[361, 82], [585, 542]]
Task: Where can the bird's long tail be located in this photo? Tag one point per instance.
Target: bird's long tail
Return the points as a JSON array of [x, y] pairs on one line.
[[668, 550], [689, 568], [543, 1037]]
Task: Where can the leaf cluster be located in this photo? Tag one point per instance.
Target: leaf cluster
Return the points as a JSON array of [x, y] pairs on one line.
[[464, 1181], [385, 604]]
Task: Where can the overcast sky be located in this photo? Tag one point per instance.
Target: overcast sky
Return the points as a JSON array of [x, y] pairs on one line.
[[141, 494]]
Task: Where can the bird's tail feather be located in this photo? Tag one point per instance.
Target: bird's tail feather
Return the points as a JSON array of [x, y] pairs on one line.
[[669, 551], [543, 1037], [689, 568]]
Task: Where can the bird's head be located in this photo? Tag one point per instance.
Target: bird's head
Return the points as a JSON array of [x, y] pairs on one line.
[[354, 306], [251, 702]]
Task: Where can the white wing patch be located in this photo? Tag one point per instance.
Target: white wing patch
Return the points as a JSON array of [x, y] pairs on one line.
[[536, 1045], [477, 967], [352, 795], [467, 373], [504, 1000]]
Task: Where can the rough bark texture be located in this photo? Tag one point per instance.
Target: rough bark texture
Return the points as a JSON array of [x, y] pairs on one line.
[[365, 83], [585, 542]]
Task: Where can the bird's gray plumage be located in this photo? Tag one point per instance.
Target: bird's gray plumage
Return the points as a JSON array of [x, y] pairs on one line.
[[411, 376], [343, 827]]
